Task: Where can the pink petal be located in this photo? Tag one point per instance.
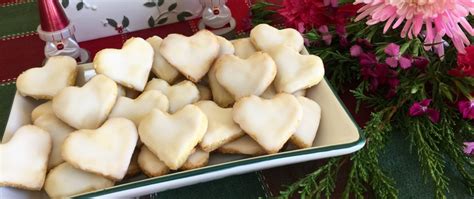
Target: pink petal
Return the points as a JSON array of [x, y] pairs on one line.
[[469, 148], [356, 50], [433, 115], [416, 110], [392, 49], [392, 62], [405, 63], [425, 102]]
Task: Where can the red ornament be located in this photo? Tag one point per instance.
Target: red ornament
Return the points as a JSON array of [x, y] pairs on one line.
[[60, 46], [215, 11], [52, 16]]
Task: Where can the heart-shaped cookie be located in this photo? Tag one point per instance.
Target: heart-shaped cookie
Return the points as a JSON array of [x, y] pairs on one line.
[[266, 38], [296, 71], [173, 137], [86, 107], [271, 92], [197, 159], [24, 159], [245, 77], [106, 151], [161, 68], [219, 94], [58, 130], [221, 128], [45, 82], [244, 145], [133, 168], [64, 181], [129, 66], [43, 109], [269, 122], [138, 108], [225, 46], [179, 95], [192, 56], [243, 48], [150, 164], [306, 131]]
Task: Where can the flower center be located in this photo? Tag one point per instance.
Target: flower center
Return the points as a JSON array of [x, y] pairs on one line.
[[423, 7], [424, 109], [471, 104]]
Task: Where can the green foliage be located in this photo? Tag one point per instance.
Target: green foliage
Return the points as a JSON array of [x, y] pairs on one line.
[[262, 12]]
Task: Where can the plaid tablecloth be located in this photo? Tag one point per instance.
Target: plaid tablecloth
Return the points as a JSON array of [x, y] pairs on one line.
[[20, 48]]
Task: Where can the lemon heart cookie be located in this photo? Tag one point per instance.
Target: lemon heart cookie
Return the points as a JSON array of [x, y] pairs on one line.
[[173, 137], [64, 181], [86, 107], [150, 164], [245, 77], [244, 145], [161, 68], [221, 128], [296, 71], [133, 168], [271, 92], [243, 48], [179, 95], [226, 46], [138, 108], [129, 66], [45, 82], [269, 122], [204, 92], [306, 131], [58, 130], [24, 159], [197, 159], [266, 38], [219, 94], [192, 56], [105, 151], [43, 109]]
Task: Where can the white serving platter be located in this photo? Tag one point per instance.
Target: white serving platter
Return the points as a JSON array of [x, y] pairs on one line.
[[338, 134]]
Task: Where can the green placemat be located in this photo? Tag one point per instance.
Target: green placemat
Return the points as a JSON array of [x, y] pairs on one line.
[[19, 18]]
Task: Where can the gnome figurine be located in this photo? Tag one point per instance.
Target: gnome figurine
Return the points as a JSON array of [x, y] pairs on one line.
[[58, 33], [217, 17]]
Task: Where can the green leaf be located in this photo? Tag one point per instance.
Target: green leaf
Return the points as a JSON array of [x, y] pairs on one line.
[[112, 22], [172, 7], [404, 47], [65, 3], [182, 16], [149, 4], [125, 22], [151, 22], [160, 2], [162, 21], [79, 6]]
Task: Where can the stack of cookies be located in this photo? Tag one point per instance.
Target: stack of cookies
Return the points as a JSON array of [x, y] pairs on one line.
[[160, 106]]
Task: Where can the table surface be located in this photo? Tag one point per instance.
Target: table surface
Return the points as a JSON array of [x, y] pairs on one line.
[[21, 48]]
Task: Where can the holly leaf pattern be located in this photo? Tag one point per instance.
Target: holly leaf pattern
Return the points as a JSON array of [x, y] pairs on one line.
[[79, 6], [182, 16], [160, 2], [112, 22], [150, 4], [65, 3], [125, 22], [172, 7], [151, 22], [162, 21]]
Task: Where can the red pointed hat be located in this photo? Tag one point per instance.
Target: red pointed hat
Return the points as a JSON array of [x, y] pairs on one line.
[[52, 16]]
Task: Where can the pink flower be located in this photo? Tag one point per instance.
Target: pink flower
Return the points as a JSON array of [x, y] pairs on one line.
[[333, 3], [466, 107], [421, 109], [304, 13], [438, 17], [394, 51], [465, 66], [356, 50], [469, 148], [326, 36], [420, 62]]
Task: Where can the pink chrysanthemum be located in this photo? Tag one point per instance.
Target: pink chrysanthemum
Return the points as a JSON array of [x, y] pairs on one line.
[[440, 18]]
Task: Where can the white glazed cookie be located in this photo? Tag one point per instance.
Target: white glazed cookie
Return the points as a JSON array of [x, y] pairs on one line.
[[129, 66], [221, 128], [58, 130], [296, 71], [192, 56], [245, 77], [243, 48], [161, 68], [196, 160], [179, 95], [150, 164], [219, 94], [64, 181], [271, 92], [138, 108], [226, 46], [266, 38], [43, 109], [173, 137], [45, 82], [133, 168], [269, 122], [306, 131], [106, 151], [204, 92], [86, 107], [24, 159], [244, 145]]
